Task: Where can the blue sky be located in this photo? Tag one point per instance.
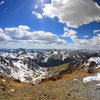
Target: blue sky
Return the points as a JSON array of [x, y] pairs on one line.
[[43, 24]]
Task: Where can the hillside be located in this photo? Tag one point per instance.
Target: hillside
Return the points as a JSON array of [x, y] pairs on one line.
[[68, 87], [71, 75]]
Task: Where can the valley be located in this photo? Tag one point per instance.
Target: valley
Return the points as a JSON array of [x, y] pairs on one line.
[[49, 75]]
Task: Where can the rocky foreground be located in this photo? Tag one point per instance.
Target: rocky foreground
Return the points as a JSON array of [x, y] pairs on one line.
[[69, 87], [49, 75]]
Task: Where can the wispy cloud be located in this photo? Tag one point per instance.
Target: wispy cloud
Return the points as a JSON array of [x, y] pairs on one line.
[[85, 36], [38, 15], [2, 2], [96, 31], [82, 43]]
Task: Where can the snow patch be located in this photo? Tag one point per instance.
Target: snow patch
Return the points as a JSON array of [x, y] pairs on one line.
[[3, 80], [74, 79], [12, 90], [95, 59], [92, 78], [24, 72], [97, 85]]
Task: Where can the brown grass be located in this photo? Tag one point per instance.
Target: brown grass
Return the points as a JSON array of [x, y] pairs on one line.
[[74, 75]]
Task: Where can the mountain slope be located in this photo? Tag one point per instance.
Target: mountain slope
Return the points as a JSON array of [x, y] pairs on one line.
[[32, 66]]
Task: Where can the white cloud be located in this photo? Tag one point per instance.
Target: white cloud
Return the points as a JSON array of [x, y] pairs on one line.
[[41, 39], [73, 12], [22, 33], [3, 36], [93, 43], [2, 2], [85, 36], [69, 33], [38, 15], [36, 6], [23, 27], [96, 31]]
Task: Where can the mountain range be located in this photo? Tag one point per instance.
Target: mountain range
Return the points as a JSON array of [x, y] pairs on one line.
[[34, 65]]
